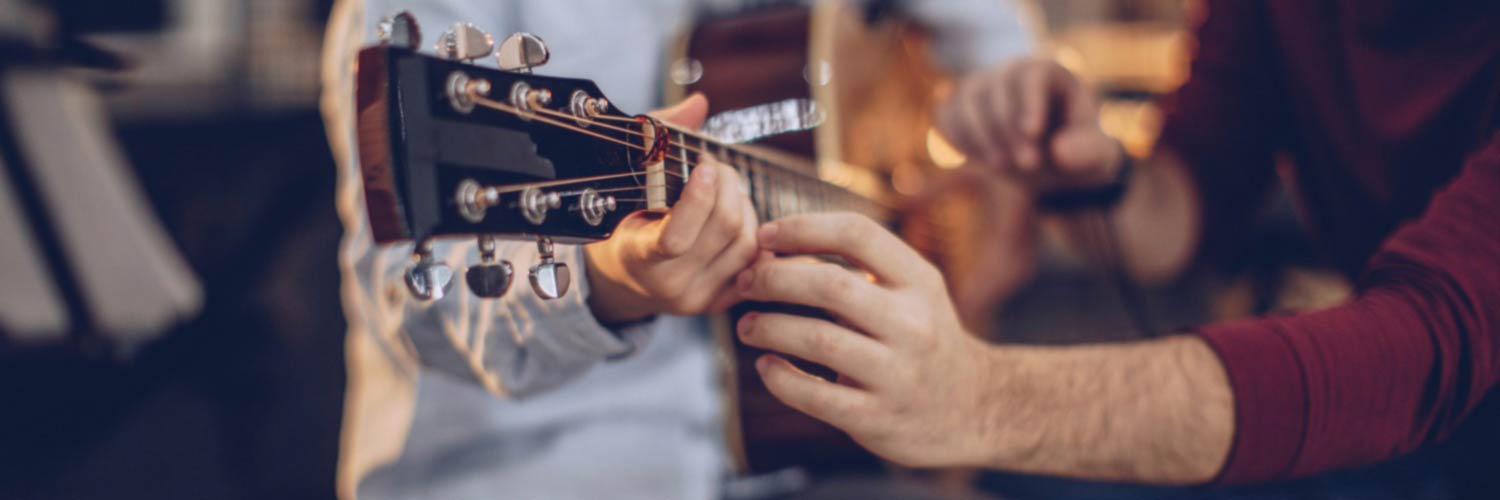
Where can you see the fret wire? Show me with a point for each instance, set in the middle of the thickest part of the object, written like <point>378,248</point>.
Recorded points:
<point>800,196</point>
<point>759,195</point>
<point>791,197</point>
<point>760,206</point>
<point>750,184</point>
<point>774,205</point>
<point>682,151</point>
<point>799,205</point>
<point>777,207</point>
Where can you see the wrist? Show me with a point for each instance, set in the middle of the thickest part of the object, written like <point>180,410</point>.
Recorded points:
<point>999,441</point>
<point>611,299</point>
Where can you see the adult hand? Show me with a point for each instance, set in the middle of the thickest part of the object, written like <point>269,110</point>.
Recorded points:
<point>1033,119</point>
<point>908,370</point>
<point>682,262</point>
<point>917,389</point>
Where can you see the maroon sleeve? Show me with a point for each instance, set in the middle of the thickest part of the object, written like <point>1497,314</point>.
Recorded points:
<point>1397,367</point>
<point>1223,122</point>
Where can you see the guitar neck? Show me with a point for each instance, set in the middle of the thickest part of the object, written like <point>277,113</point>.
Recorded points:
<point>779,187</point>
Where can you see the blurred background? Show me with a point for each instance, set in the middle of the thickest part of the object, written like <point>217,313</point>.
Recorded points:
<point>217,117</point>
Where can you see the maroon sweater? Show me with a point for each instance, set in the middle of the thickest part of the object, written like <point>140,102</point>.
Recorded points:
<point>1388,115</point>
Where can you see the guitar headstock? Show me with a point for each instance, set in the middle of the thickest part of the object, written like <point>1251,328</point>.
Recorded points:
<point>449,148</point>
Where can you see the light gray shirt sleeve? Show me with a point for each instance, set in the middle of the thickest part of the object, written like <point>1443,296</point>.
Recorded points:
<point>973,34</point>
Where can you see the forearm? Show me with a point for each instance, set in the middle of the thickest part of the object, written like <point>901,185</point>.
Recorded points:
<point>1158,411</point>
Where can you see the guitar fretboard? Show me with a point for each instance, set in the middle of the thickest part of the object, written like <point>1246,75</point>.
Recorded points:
<point>777,188</point>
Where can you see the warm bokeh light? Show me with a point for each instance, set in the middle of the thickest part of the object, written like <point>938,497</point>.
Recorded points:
<point>942,152</point>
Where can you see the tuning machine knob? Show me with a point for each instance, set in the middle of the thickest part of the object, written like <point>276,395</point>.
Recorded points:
<point>400,30</point>
<point>549,279</point>
<point>428,279</point>
<point>464,42</point>
<point>490,278</point>
<point>521,52</point>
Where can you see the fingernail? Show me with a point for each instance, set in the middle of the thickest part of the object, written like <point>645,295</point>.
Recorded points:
<point>766,234</point>
<point>744,280</point>
<point>706,174</point>
<point>745,322</point>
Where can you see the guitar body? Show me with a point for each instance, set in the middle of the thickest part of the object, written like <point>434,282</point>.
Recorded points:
<point>869,71</point>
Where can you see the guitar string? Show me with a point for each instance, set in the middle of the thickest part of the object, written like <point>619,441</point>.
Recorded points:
<point>514,188</point>
<point>678,144</point>
<point>499,106</point>
<point>503,107</point>
<point>766,164</point>
<point>493,104</point>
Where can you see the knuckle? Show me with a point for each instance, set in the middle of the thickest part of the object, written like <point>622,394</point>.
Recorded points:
<point>672,246</point>
<point>837,285</point>
<point>822,342</point>
<point>668,291</point>
<point>911,323</point>
<point>930,276</point>
<point>665,283</point>
<point>766,278</point>
<point>702,195</point>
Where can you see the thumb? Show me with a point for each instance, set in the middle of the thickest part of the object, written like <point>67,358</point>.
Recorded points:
<point>1085,153</point>
<point>688,113</point>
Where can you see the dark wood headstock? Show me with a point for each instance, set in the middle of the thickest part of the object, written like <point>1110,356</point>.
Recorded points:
<point>429,126</point>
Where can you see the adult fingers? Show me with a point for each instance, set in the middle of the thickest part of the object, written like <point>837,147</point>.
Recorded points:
<point>715,281</point>
<point>1085,153</point>
<point>853,237</point>
<point>998,111</point>
<point>687,217</point>
<point>825,286</point>
<point>839,405</point>
<point>977,132</point>
<point>845,351</point>
<point>1034,90</point>
<point>688,113</point>
<point>727,219</point>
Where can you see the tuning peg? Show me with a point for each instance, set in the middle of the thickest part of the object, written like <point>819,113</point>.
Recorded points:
<point>549,278</point>
<point>428,279</point>
<point>400,30</point>
<point>521,52</point>
<point>464,42</point>
<point>490,278</point>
